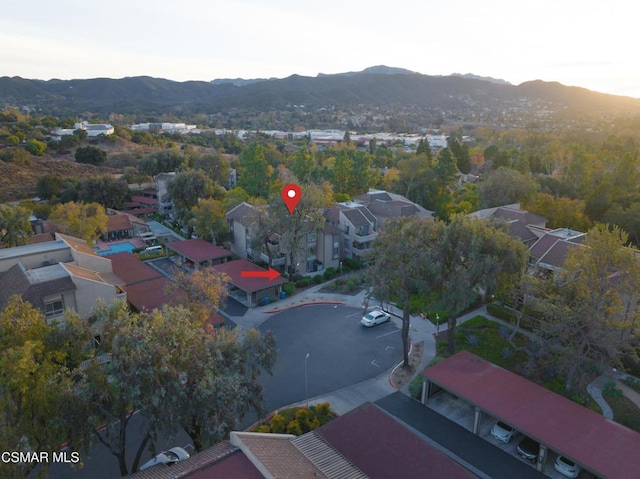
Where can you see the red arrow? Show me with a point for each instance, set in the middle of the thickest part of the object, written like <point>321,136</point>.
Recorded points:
<point>271,274</point>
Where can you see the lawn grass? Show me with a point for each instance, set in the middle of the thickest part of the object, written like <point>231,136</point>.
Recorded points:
<point>625,412</point>
<point>488,343</point>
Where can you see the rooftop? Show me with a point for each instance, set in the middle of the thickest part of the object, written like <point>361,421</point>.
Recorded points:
<point>234,268</point>
<point>602,446</point>
<point>382,447</point>
<point>32,249</point>
<point>198,250</point>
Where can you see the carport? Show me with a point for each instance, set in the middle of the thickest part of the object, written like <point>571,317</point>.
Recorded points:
<point>249,291</point>
<point>603,447</point>
<point>197,253</point>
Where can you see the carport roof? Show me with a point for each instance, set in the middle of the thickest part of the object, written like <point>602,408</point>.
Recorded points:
<point>605,447</point>
<point>198,249</point>
<point>250,285</point>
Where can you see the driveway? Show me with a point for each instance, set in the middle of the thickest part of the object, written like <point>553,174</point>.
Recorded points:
<point>341,352</point>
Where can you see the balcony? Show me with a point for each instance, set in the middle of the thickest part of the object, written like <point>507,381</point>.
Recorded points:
<point>275,261</point>
<point>360,238</point>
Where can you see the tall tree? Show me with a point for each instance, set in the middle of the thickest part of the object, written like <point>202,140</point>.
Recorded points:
<point>15,226</point>
<point>590,307</point>
<point>110,192</point>
<point>405,264</point>
<point>209,221</point>
<point>36,383</point>
<point>186,189</point>
<point>505,186</point>
<point>254,171</point>
<point>474,256</point>
<point>304,165</point>
<point>86,221</point>
<point>175,373</point>
<point>91,155</point>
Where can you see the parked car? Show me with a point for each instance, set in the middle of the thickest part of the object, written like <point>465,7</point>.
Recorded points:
<point>528,449</point>
<point>503,432</point>
<point>173,455</point>
<point>567,467</point>
<point>374,317</point>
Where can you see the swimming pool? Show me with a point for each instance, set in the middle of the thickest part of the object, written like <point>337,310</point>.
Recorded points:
<point>125,247</point>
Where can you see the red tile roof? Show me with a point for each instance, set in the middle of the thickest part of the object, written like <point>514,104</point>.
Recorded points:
<point>250,285</point>
<point>381,447</point>
<point>131,269</point>
<point>604,447</point>
<point>198,250</point>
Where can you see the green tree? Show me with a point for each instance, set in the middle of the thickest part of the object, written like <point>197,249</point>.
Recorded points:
<point>86,221</point>
<point>36,385</point>
<point>341,172</point>
<point>291,230</point>
<point>424,148</point>
<point>161,162</point>
<point>590,307</point>
<point>173,372</point>
<point>304,165</point>
<point>254,171</point>
<point>187,188</point>
<point>15,225</point>
<point>36,147</point>
<point>460,151</point>
<point>473,256</point>
<point>110,192</point>
<point>209,220</point>
<point>405,264</point>
<point>505,186</point>
<point>90,155</point>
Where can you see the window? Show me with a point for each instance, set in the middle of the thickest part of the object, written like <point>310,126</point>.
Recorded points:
<point>336,250</point>
<point>53,308</point>
<point>312,237</point>
<point>346,229</point>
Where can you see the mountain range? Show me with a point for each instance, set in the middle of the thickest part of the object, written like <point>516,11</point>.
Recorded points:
<point>377,86</point>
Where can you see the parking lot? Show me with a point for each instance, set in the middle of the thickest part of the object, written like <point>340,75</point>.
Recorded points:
<point>341,352</point>
<point>463,413</point>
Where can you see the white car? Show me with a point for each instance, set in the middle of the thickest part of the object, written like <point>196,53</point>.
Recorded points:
<point>566,467</point>
<point>374,317</point>
<point>503,432</point>
<point>173,455</point>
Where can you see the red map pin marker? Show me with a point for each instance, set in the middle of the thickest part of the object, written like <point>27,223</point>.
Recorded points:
<point>291,195</point>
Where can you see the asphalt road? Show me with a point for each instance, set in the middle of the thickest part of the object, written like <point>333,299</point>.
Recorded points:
<point>99,463</point>
<point>341,352</point>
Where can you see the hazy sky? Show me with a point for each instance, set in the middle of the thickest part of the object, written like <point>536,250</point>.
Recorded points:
<point>576,42</point>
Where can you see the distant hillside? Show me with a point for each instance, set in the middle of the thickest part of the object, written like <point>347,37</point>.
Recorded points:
<point>375,86</point>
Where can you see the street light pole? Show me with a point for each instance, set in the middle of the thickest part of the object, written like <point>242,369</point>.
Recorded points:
<point>306,380</point>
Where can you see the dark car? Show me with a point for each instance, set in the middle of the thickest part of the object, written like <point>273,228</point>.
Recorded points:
<point>529,449</point>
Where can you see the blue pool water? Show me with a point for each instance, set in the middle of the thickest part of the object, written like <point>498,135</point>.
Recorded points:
<point>125,247</point>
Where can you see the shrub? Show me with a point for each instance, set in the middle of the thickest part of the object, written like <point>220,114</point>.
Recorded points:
<point>351,286</point>
<point>332,286</point>
<point>352,263</point>
<point>415,387</point>
<point>303,283</point>
<point>36,147</point>
<point>297,277</point>
<point>294,428</point>
<point>263,428</point>
<point>277,423</point>
<point>318,279</point>
<point>289,288</point>
<point>323,411</point>
<point>90,155</point>
<point>329,273</point>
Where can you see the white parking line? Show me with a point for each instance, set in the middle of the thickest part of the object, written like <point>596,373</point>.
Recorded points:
<point>375,364</point>
<point>387,334</point>
<point>354,314</point>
